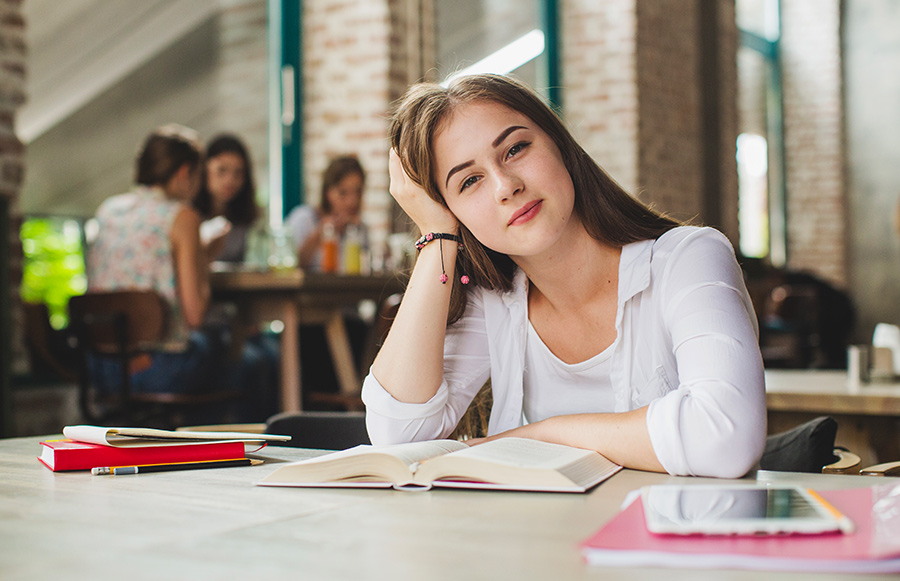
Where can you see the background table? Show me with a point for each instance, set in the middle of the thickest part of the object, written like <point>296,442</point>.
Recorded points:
<point>215,524</point>
<point>294,297</point>
<point>868,415</point>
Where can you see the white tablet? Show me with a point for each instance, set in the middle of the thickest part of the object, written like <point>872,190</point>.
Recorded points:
<point>739,510</point>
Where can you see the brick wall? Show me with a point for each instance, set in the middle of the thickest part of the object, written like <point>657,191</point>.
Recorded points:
<point>632,95</point>
<point>599,79</point>
<point>12,159</point>
<point>813,134</point>
<point>347,90</point>
<point>669,129</point>
<point>727,40</point>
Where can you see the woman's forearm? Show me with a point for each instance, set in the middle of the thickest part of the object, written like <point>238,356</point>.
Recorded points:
<point>621,437</point>
<point>410,364</point>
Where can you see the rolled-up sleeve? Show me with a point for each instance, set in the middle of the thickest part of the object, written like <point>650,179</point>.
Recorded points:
<point>466,369</point>
<point>714,423</point>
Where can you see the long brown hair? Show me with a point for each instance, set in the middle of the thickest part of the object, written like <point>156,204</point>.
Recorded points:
<point>608,212</point>
<point>242,208</point>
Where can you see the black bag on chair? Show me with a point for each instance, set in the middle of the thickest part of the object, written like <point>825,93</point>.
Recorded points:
<point>806,448</point>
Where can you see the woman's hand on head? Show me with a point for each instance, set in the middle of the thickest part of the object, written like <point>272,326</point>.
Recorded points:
<point>428,215</point>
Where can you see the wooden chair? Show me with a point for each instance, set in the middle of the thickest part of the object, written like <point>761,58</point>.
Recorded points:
<point>128,325</point>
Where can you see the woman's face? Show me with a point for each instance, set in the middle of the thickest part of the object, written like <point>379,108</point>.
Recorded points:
<point>345,196</point>
<point>225,176</point>
<point>503,178</point>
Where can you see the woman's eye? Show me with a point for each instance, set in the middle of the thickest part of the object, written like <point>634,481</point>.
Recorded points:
<point>468,182</point>
<point>516,149</point>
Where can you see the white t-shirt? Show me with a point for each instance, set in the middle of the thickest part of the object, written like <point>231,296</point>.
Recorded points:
<point>554,387</point>
<point>687,347</point>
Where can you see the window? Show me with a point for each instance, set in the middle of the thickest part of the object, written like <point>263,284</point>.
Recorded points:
<point>53,270</point>
<point>499,36</point>
<point>760,145</point>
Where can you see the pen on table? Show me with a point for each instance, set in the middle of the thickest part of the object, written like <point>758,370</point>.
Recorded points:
<point>844,523</point>
<point>120,470</point>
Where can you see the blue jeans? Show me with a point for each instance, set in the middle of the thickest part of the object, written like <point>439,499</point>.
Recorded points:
<point>187,371</point>
<point>204,366</point>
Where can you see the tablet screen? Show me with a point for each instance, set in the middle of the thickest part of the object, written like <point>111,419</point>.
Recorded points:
<point>736,510</point>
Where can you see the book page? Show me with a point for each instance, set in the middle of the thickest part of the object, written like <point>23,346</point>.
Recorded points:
<point>394,463</point>
<point>519,464</point>
<point>524,453</point>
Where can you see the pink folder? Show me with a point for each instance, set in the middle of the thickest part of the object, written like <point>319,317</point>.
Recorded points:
<point>873,548</point>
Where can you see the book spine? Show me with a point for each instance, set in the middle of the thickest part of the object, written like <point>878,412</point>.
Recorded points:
<point>87,458</point>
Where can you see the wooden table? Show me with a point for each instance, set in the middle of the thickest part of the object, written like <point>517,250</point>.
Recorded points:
<point>294,297</point>
<point>868,414</point>
<point>215,524</point>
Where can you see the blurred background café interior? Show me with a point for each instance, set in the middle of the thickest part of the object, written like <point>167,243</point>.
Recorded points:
<point>775,121</point>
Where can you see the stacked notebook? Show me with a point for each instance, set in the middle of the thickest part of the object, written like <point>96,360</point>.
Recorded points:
<point>87,447</point>
<point>873,548</point>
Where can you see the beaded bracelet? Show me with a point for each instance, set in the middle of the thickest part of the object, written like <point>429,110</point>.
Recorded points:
<point>440,237</point>
<point>421,242</point>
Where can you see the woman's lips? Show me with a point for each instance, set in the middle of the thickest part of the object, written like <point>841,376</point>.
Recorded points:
<point>527,212</point>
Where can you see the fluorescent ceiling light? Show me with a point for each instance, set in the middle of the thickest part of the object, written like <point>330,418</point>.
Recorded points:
<point>506,59</point>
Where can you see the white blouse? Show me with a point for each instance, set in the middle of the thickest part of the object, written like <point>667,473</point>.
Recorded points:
<point>687,347</point>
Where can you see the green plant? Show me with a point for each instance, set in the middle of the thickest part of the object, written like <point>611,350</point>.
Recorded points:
<point>53,270</point>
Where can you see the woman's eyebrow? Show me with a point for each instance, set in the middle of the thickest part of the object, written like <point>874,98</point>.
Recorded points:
<point>503,135</point>
<point>460,167</point>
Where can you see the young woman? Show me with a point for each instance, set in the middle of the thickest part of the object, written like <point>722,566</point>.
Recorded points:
<point>339,207</point>
<point>600,323</point>
<point>149,238</point>
<point>227,198</point>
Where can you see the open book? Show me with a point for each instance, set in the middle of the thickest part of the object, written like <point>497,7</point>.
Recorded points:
<point>503,464</point>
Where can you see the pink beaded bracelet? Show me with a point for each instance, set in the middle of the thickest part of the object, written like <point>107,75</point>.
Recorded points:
<point>440,237</point>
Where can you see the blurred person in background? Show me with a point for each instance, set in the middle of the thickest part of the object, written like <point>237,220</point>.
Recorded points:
<point>149,238</point>
<point>227,198</point>
<point>336,219</point>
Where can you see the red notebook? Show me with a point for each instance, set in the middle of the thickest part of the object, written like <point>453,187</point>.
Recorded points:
<point>60,455</point>
<point>873,548</point>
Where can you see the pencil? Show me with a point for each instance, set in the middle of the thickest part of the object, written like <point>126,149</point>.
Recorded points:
<point>121,470</point>
<point>844,523</point>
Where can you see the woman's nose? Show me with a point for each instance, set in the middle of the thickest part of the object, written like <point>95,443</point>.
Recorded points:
<point>508,184</point>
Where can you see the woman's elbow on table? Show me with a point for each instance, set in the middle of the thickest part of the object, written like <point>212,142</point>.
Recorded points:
<point>732,455</point>
<point>703,440</point>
